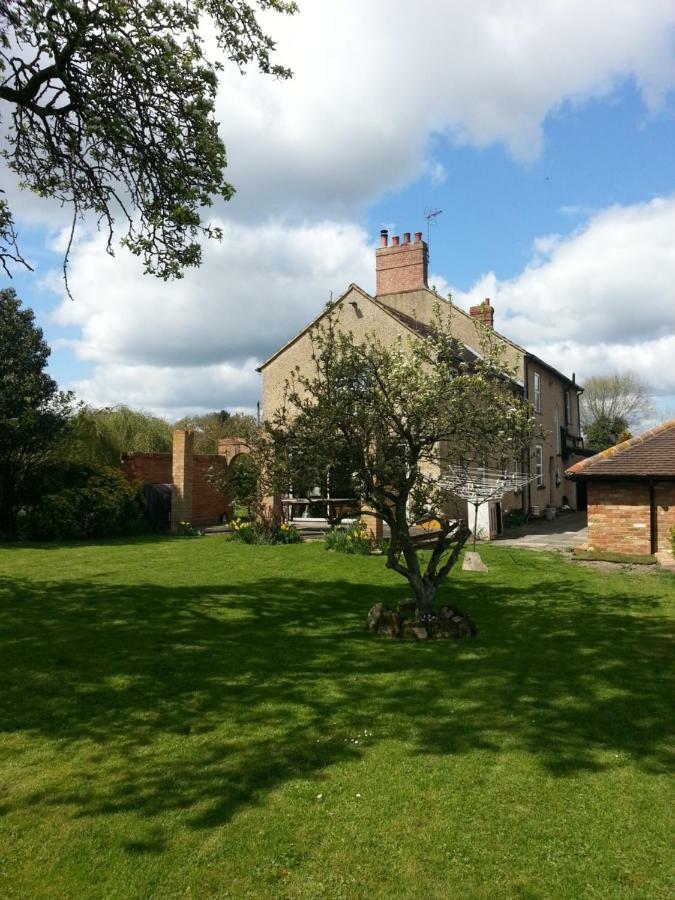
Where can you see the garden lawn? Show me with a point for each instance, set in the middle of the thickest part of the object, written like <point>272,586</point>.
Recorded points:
<point>196,718</point>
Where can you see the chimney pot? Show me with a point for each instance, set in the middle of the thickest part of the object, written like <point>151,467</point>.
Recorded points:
<point>395,240</point>
<point>384,237</point>
<point>406,237</point>
<point>418,237</point>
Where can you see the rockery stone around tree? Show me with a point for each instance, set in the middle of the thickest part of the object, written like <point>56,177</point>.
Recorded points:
<point>409,624</point>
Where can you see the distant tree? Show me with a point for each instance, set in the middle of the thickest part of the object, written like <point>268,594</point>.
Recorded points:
<point>99,437</point>
<point>615,402</point>
<point>603,433</point>
<point>110,110</point>
<point>33,412</point>
<point>211,427</point>
<point>396,415</point>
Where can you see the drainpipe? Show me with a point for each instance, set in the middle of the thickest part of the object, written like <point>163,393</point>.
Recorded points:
<point>653,525</point>
<point>527,500</point>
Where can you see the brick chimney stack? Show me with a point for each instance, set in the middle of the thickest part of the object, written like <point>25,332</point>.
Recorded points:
<point>401,266</point>
<point>484,313</point>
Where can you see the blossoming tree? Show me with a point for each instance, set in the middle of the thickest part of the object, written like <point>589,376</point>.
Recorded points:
<point>401,414</point>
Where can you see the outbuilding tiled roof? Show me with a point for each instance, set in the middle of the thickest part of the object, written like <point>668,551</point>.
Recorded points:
<point>650,455</point>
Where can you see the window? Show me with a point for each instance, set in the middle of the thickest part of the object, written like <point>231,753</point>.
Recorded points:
<point>568,409</point>
<point>539,465</point>
<point>537,392</point>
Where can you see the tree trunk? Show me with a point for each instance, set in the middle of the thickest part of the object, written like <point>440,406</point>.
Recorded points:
<point>425,594</point>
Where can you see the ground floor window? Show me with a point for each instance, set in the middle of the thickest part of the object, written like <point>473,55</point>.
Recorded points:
<point>539,465</point>
<point>326,498</point>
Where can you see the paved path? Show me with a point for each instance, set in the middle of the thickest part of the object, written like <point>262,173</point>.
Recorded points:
<point>563,533</point>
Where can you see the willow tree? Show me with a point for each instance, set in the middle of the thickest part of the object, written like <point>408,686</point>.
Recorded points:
<point>399,415</point>
<point>108,107</point>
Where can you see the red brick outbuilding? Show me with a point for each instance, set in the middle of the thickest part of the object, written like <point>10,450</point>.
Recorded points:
<point>631,493</point>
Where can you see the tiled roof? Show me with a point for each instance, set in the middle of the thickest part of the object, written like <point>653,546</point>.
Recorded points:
<point>462,352</point>
<point>651,454</point>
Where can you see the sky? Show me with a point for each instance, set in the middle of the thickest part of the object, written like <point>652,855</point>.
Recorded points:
<point>544,132</point>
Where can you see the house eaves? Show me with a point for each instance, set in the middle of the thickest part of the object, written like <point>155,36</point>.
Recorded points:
<point>540,362</point>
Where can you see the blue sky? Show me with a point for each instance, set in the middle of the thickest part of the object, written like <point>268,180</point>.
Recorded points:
<point>546,138</point>
<point>494,206</point>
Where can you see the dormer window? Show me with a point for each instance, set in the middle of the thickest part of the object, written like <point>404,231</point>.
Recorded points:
<point>537,392</point>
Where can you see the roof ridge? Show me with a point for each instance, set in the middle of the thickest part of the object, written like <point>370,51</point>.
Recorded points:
<point>618,449</point>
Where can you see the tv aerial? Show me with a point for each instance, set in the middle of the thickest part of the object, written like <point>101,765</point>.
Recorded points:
<point>430,214</point>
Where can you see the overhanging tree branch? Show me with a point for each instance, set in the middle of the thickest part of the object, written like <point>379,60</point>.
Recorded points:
<point>112,113</point>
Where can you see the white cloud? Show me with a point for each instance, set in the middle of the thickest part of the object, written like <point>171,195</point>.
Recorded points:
<point>196,341</point>
<point>373,81</point>
<point>599,301</point>
<point>171,391</point>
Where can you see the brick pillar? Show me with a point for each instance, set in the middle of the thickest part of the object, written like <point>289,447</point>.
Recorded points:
<point>273,506</point>
<point>374,526</point>
<point>181,477</point>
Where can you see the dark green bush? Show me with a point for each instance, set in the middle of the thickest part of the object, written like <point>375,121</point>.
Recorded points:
<point>102,503</point>
<point>513,518</point>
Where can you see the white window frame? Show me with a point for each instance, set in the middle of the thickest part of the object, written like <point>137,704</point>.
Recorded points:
<point>539,464</point>
<point>537,392</point>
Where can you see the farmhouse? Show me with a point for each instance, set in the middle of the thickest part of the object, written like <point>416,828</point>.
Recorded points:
<point>403,304</point>
<point>631,493</point>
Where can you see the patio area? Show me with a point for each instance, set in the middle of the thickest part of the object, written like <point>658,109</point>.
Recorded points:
<point>565,532</point>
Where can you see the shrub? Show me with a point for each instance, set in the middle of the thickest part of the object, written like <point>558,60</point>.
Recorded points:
<point>513,518</point>
<point>672,539</point>
<point>187,529</point>
<point>287,533</point>
<point>353,539</point>
<point>265,531</point>
<point>102,504</point>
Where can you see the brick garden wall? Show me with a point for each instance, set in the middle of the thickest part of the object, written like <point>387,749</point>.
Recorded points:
<point>150,468</point>
<point>208,504</point>
<point>618,516</point>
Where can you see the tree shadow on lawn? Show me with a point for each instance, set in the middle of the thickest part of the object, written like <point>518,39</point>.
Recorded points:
<point>205,698</point>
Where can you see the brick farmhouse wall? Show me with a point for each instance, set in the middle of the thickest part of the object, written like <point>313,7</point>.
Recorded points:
<point>619,515</point>
<point>665,512</point>
<point>208,504</point>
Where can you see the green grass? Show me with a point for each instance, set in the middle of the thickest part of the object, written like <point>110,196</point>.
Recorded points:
<point>636,559</point>
<point>171,710</point>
